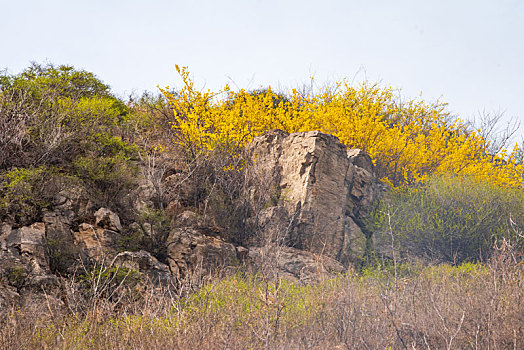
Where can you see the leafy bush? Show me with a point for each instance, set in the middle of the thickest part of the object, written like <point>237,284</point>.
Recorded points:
<point>50,115</point>
<point>24,193</point>
<point>408,140</point>
<point>16,275</point>
<point>109,178</point>
<point>448,218</point>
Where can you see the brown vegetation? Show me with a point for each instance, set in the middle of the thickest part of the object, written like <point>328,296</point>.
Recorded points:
<point>469,306</point>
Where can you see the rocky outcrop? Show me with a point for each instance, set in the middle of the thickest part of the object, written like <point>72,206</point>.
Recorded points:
<point>72,202</point>
<point>24,269</point>
<point>95,241</point>
<point>311,193</point>
<point>306,199</point>
<point>28,242</point>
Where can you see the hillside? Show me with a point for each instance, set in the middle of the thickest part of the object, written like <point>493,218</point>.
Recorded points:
<point>252,219</point>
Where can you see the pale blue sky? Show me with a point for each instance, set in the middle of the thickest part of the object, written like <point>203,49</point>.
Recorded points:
<point>469,52</point>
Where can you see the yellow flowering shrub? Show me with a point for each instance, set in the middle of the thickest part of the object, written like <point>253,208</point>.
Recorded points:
<point>407,141</point>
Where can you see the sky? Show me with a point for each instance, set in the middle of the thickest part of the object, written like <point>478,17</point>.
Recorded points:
<point>468,53</point>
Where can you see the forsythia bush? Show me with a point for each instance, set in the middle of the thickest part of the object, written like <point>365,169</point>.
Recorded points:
<point>407,141</point>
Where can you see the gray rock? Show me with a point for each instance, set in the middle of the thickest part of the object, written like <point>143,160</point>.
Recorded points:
<point>58,228</point>
<point>73,201</point>
<point>141,198</point>
<point>5,230</point>
<point>107,219</point>
<point>96,242</point>
<point>294,264</point>
<point>191,252</point>
<point>29,241</point>
<point>146,264</point>
<point>188,218</point>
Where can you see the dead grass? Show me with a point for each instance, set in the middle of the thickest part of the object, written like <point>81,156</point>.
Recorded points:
<point>477,306</point>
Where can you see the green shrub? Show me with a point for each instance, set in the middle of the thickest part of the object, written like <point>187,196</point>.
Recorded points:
<point>16,275</point>
<point>24,193</point>
<point>448,219</point>
<point>150,233</point>
<point>107,177</point>
<point>51,114</point>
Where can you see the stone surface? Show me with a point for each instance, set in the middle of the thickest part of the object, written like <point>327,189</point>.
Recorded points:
<point>294,264</point>
<point>311,192</point>
<point>29,242</point>
<point>141,199</point>
<point>188,219</point>
<point>73,201</point>
<point>147,264</point>
<point>24,271</point>
<point>364,187</point>
<point>96,242</point>
<point>5,230</point>
<point>308,199</point>
<point>107,219</point>
<point>58,231</point>
<point>192,252</point>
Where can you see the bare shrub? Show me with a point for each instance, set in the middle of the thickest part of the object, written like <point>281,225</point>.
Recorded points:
<point>475,306</point>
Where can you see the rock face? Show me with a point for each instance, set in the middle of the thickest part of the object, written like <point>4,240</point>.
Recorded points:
<point>24,268</point>
<point>28,241</point>
<point>311,193</point>
<point>94,241</point>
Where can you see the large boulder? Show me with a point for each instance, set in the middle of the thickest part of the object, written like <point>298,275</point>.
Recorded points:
<point>311,193</point>
<point>294,264</point>
<point>105,218</point>
<point>192,252</point>
<point>24,268</point>
<point>96,242</point>
<point>142,261</point>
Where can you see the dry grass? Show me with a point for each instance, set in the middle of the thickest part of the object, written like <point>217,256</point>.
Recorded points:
<point>437,307</point>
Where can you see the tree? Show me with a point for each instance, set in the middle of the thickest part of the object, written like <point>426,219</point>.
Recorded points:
<point>49,113</point>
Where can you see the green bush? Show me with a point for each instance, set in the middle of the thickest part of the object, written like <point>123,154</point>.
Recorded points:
<point>51,114</point>
<point>447,219</point>
<point>24,193</point>
<point>16,275</point>
<point>108,178</point>
<point>150,233</point>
